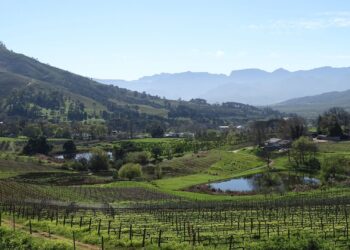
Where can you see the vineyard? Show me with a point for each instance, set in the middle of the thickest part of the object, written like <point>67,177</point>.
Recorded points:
<point>43,206</point>
<point>187,225</point>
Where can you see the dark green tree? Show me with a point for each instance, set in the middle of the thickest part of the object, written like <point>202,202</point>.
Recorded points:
<point>69,149</point>
<point>37,145</point>
<point>156,152</point>
<point>99,161</point>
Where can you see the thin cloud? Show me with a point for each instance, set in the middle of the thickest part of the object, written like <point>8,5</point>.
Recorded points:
<point>323,21</point>
<point>219,53</point>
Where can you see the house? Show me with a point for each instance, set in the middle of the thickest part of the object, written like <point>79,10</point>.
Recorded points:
<point>276,144</point>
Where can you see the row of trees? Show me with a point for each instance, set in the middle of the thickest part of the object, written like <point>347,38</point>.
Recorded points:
<point>289,128</point>
<point>334,122</point>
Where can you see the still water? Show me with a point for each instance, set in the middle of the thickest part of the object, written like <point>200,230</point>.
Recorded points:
<point>264,182</point>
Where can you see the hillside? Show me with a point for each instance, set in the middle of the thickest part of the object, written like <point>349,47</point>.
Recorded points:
<point>251,86</point>
<point>312,106</point>
<point>33,90</point>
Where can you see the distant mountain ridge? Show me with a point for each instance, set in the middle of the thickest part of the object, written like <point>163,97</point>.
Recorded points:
<point>251,86</point>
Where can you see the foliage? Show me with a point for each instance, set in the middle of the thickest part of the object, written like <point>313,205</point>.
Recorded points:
<point>32,130</point>
<point>333,121</point>
<point>99,161</point>
<point>158,171</point>
<point>37,145</point>
<point>333,166</point>
<point>156,152</point>
<point>303,150</point>
<point>69,149</point>
<point>137,157</point>
<point>130,171</point>
<point>156,131</point>
<point>78,165</point>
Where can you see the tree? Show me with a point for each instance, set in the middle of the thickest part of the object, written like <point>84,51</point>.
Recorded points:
<point>37,145</point>
<point>333,166</point>
<point>303,150</point>
<point>156,152</point>
<point>137,157</point>
<point>333,121</point>
<point>130,171</point>
<point>119,153</point>
<point>69,149</point>
<point>179,149</point>
<point>157,131</point>
<point>32,130</point>
<point>259,132</point>
<point>335,130</point>
<point>99,161</point>
<point>158,171</point>
<point>296,127</point>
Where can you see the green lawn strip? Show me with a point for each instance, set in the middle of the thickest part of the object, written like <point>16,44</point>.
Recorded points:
<point>13,139</point>
<point>128,184</point>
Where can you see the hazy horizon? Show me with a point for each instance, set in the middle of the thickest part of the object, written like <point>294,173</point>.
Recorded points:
<point>119,40</point>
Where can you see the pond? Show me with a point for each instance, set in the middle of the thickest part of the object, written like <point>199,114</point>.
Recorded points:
<point>85,155</point>
<point>265,182</point>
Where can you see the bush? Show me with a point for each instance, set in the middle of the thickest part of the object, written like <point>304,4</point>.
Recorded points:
<point>313,165</point>
<point>137,157</point>
<point>78,166</point>
<point>99,161</point>
<point>158,171</point>
<point>130,171</point>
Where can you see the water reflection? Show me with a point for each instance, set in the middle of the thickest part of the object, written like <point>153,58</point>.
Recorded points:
<point>266,182</point>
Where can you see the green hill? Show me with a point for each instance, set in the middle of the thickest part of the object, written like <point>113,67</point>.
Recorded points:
<point>312,106</point>
<point>33,90</point>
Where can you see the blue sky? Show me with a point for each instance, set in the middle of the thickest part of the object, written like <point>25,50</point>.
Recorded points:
<point>133,38</point>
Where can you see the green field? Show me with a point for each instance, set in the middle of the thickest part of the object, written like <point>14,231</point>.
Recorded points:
<point>165,213</point>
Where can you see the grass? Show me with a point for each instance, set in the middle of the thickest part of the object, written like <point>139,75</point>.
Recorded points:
<point>334,147</point>
<point>190,163</point>
<point>10,167</point>
<point>231,162</point>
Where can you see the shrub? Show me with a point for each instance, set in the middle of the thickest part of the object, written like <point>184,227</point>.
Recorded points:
<point>137,157</point>
<point>99,161</point>
<point>158,171</point>
<point>130,171</point>
<point>78,166</point>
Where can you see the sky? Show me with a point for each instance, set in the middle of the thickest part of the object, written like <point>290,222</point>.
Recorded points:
<point>115,39</point>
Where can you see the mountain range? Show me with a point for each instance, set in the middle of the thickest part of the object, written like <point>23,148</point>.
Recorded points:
<point>32,90</point>
<point>250,86</point>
